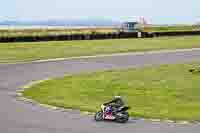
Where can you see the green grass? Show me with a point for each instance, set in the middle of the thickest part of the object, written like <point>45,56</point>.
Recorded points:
<point>18,52</point>
<point>176,28</point>
<point>39,32</point>
<point>166,92</point>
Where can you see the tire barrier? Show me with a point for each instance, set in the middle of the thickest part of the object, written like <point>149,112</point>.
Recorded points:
<point>178,33</point>
<point>96,36</point>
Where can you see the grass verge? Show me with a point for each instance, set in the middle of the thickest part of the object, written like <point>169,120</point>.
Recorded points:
<point>23,52</point>
<point>164,92</point>
<point>39,32</point>
<point>175,28</point>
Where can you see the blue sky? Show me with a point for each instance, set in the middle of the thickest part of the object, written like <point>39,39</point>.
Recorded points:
<point>155,11</point>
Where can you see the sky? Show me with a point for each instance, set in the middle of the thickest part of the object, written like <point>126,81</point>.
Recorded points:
<point>154,11</point>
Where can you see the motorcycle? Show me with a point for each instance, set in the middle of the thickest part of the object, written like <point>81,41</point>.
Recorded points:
<point>119,115</point>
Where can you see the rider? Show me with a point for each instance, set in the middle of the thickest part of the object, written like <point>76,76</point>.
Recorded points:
<point>116,103</point>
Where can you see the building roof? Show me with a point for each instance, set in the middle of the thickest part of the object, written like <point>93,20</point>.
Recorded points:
<point>130,22</point>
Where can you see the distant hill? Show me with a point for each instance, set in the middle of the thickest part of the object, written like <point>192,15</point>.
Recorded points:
<point>83,22</point>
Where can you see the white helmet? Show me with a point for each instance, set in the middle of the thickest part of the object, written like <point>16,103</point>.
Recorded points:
<point>117,97</point>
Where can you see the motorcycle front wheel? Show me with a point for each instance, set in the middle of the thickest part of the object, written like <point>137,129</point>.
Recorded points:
<point>98,116</point>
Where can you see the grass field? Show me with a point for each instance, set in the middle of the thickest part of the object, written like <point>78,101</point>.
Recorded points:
<point>176,28</point>
<point>53,31</point>
<point>19,52</point>
<point>39,32</point>
<point>166,92</point>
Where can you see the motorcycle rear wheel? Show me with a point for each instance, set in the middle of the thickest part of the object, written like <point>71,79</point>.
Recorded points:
<point>99,116</point>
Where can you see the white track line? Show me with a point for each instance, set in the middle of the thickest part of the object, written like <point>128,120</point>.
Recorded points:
<point>120,54</point>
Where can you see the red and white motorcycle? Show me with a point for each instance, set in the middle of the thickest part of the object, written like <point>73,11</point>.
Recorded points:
<point>107,113</point>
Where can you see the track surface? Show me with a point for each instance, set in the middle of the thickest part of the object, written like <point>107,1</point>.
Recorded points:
<point>20,117</point>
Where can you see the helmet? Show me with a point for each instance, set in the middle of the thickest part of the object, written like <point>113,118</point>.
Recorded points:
<point>118,100</point>
<point>117,97</point>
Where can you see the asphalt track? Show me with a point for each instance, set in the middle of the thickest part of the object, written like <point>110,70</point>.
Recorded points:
<point>21,117</point>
